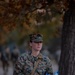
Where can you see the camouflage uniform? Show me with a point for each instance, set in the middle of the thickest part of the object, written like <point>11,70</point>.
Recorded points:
<point>25,65</point>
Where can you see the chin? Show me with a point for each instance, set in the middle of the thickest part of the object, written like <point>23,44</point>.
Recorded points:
<point>38,49</point>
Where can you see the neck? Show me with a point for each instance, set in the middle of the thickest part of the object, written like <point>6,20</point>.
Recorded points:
<point>35,53</point>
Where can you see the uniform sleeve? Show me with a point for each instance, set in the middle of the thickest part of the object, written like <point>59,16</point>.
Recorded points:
<point>49,66</point>
<point>18,68</point>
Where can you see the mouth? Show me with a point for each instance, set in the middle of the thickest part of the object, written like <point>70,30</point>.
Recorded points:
<point>38,47</point>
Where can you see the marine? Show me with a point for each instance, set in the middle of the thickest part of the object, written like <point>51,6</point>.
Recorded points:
<point>33,62</point>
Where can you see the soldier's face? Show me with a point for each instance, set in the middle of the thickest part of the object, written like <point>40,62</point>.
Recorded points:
<point>36,46</point>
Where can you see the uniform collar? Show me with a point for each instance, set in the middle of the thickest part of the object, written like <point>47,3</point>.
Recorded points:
<point>40,56</point>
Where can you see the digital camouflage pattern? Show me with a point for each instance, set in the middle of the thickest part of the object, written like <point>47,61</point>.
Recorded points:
<point>26,62</point>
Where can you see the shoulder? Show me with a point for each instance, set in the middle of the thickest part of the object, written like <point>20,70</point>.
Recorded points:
<point>23,57</point>
<point>24,54</point>
<point>46,58</point>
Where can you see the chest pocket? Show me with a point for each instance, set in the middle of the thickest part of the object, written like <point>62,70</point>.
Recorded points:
<point>41,68</point>
<point>28,67</point>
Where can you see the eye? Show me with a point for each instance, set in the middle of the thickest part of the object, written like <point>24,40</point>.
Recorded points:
<point>38,42</point>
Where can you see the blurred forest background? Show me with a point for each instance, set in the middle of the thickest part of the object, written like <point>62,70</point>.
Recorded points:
<point>19,18</point>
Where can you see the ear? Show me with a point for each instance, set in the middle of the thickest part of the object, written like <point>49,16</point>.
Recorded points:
<point>30,44</point>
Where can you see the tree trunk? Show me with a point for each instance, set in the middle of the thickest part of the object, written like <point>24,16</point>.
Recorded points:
<point>67,58</point>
